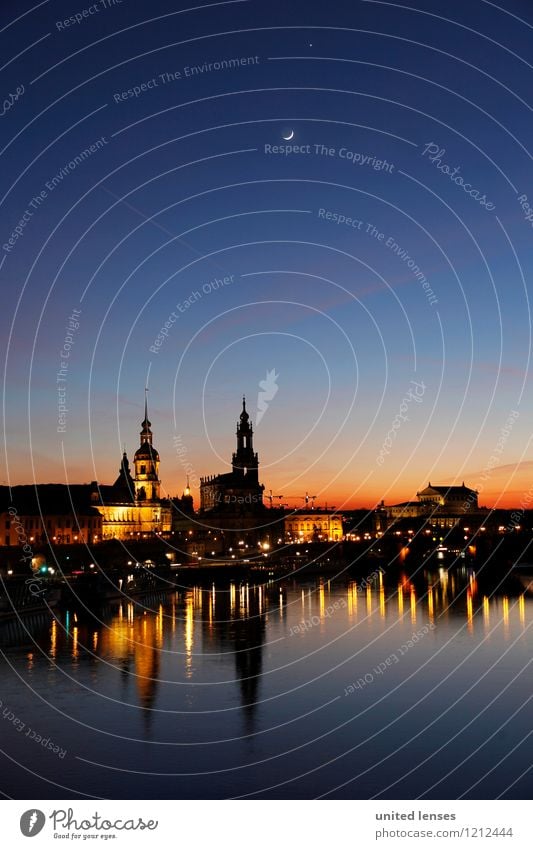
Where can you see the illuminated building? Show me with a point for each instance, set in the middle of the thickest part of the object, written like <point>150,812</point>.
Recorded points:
<point>34,514</point>
<point>313,526</point>
<point>64,514</point>
<point>132,507</point>
<point>460,499</point>
<point>441,506</point>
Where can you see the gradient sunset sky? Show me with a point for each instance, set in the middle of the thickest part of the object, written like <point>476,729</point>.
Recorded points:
<point>377,387</point>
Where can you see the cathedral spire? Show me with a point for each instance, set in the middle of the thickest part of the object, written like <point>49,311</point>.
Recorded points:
<point>244,418</point>
<point>146,433</point>
<point>244,459</point>
<point>147,483</point>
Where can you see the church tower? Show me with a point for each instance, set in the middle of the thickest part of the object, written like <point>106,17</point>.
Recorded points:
<point>124,487</point>
<point>245,463</point>
<point>146,461</point>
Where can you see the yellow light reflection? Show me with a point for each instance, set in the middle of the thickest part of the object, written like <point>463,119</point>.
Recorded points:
<point>431,605</point>
<point>75,650</point>
<point>350,601</point>
<point>95,640</point>
<point>413,606</point>
<point>486,612</point>
<point>159,627</point>
<point>400,600</point>
<point>369,601</point>
<point>189,633</point>
<point>242,603</point>
<point>321,601</point>
<point>506,615</point>
<point>444,584</point>
<point>53,639</point>
<point>522,610</point>
<point>232,599</point>
<point>469,612</point>
<point>381,598</point>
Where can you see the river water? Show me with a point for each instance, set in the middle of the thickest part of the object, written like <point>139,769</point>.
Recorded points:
<point>295,689</point>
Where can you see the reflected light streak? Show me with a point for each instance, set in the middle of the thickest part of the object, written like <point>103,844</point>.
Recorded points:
<point>53,639</point>
<point>189,633</point>
<point>159,627</point>
<point>369,601</point>
<point>469,612</point>
<point>486,612</point>
<point>506,615</point>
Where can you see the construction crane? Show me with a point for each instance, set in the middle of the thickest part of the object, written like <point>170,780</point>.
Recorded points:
<point>305,498</point>
<point>272,497</point>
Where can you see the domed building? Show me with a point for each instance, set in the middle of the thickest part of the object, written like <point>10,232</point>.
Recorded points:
<point>132,507</point>
<point>146,461</point>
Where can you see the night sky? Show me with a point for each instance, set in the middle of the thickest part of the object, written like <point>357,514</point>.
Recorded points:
<point>372,272</point>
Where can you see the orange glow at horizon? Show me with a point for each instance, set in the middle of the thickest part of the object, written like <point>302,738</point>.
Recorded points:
<point>337,477</point>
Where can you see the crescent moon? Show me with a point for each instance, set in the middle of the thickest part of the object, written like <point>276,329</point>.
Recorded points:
<point>290,136</point>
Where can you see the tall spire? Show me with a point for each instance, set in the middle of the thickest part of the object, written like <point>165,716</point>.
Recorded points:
<point>244,459</point>
<point>146,422</point>
<point>244,417</point>
<point>146,433</point>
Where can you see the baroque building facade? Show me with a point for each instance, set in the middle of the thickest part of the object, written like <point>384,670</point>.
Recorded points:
<point>132,507</point>
<point>313,526</point>
<point>442,506</point>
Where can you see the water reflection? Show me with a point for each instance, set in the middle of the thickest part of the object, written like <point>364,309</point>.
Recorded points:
<point>234,623</point>
<point>262,669</point>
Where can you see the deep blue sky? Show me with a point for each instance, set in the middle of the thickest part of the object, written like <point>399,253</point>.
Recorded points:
<point>181,192</point>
